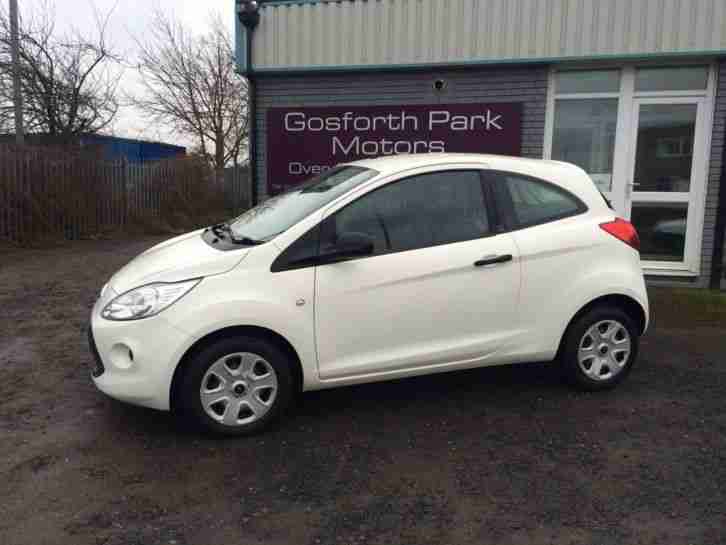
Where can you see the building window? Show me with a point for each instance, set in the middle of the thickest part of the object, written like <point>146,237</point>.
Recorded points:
<point>584,134</point>
<point>588,81</point>
<point>584,124</point>
<point>678,78</point>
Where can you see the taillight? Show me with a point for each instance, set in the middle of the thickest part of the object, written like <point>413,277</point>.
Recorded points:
<point>622,230</point>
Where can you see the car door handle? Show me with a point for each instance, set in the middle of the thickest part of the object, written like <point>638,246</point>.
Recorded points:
<point>493,260</point>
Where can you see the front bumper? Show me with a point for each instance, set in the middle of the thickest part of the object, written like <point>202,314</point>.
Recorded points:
<point>136,359</point>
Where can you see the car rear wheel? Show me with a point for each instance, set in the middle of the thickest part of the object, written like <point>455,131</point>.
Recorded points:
<point>600,348</point>
<point>237,386</point>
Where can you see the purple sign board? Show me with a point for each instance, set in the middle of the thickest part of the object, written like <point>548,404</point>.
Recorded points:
<point>303,142</point>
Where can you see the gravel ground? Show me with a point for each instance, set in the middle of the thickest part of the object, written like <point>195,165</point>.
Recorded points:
<point>506,455</point>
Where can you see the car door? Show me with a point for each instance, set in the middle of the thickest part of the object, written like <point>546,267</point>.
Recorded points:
<point>557,249</point>
<point>441,286</point>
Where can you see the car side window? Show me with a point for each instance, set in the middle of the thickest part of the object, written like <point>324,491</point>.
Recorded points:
<point>417,212</point>
<point>300,254</point>
<point>530,201</point>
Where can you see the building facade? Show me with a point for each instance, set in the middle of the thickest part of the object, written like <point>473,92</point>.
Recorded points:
<point>632,91</point>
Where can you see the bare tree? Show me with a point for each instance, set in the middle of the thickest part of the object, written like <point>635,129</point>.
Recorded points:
<point>68,81</point>
<point>190,82</point>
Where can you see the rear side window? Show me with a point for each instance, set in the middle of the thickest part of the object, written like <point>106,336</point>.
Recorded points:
<point>529,201</point>
<point>417,212</point>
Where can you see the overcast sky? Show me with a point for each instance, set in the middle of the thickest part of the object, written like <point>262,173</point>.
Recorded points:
<point>129,20</point>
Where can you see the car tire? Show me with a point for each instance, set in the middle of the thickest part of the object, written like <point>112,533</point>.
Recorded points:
<point>599,349</point>
<point>236,386</point>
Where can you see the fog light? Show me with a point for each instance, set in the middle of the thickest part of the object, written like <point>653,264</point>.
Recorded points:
<point>121,356</point>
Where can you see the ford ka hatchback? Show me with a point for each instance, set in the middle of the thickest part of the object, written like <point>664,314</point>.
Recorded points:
<point>375,270</point>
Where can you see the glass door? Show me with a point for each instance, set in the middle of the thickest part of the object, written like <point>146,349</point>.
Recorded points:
<point>659,193</point>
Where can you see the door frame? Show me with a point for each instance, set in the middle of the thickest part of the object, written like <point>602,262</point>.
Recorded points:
<point>627,97</point>
<point>629,195</point>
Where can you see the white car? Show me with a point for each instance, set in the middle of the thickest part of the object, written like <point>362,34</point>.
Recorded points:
<point>375,270</point>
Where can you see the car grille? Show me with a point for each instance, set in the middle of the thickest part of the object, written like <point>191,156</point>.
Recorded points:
<point>97,367</point>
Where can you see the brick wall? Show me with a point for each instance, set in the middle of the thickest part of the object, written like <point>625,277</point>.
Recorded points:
<point>715,168</point>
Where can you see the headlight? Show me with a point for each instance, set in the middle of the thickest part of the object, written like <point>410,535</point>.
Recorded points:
<point>147,300</point>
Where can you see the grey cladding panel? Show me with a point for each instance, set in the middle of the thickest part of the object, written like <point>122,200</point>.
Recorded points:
<point>299,35</point>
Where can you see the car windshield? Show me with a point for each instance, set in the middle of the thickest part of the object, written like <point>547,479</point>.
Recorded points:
<point>279,213</point>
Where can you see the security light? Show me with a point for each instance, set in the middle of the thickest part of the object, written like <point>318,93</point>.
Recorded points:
<point>248,12</point>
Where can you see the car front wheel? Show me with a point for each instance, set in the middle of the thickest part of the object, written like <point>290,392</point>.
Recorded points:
<point>237,386</point>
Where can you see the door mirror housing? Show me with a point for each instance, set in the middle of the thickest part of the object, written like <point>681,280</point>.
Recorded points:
<point>349,245</point>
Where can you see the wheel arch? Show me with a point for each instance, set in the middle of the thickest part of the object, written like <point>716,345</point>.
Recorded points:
<point>628,304</point>
<point>229,332</point>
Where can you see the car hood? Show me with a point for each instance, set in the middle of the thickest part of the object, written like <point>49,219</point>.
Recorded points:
<point>180,258</point>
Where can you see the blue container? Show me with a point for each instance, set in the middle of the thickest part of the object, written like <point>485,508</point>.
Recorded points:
<point>135,151</point>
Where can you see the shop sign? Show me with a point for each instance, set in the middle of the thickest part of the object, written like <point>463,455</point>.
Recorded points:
<point>303,142</point>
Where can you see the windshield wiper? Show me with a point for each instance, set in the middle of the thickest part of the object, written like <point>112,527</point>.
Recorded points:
<point>246,240</point>
<point>222,229</point>
<point>218,230</point>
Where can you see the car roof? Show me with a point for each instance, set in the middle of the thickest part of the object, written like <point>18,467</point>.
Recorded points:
<point>390,164</point>
<point>566,175</point>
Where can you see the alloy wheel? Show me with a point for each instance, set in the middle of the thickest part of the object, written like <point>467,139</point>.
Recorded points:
<point>604,350</point>
<point>238,389</point>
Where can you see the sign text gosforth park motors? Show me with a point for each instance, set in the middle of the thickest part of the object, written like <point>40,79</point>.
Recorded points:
<point>302,142</point>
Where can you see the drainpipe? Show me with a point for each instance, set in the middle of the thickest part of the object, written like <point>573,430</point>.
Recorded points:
<point>720,234</point>
<point>248,12</point>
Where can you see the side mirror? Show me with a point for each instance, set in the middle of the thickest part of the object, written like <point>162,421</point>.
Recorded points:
<point>349,245</point>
